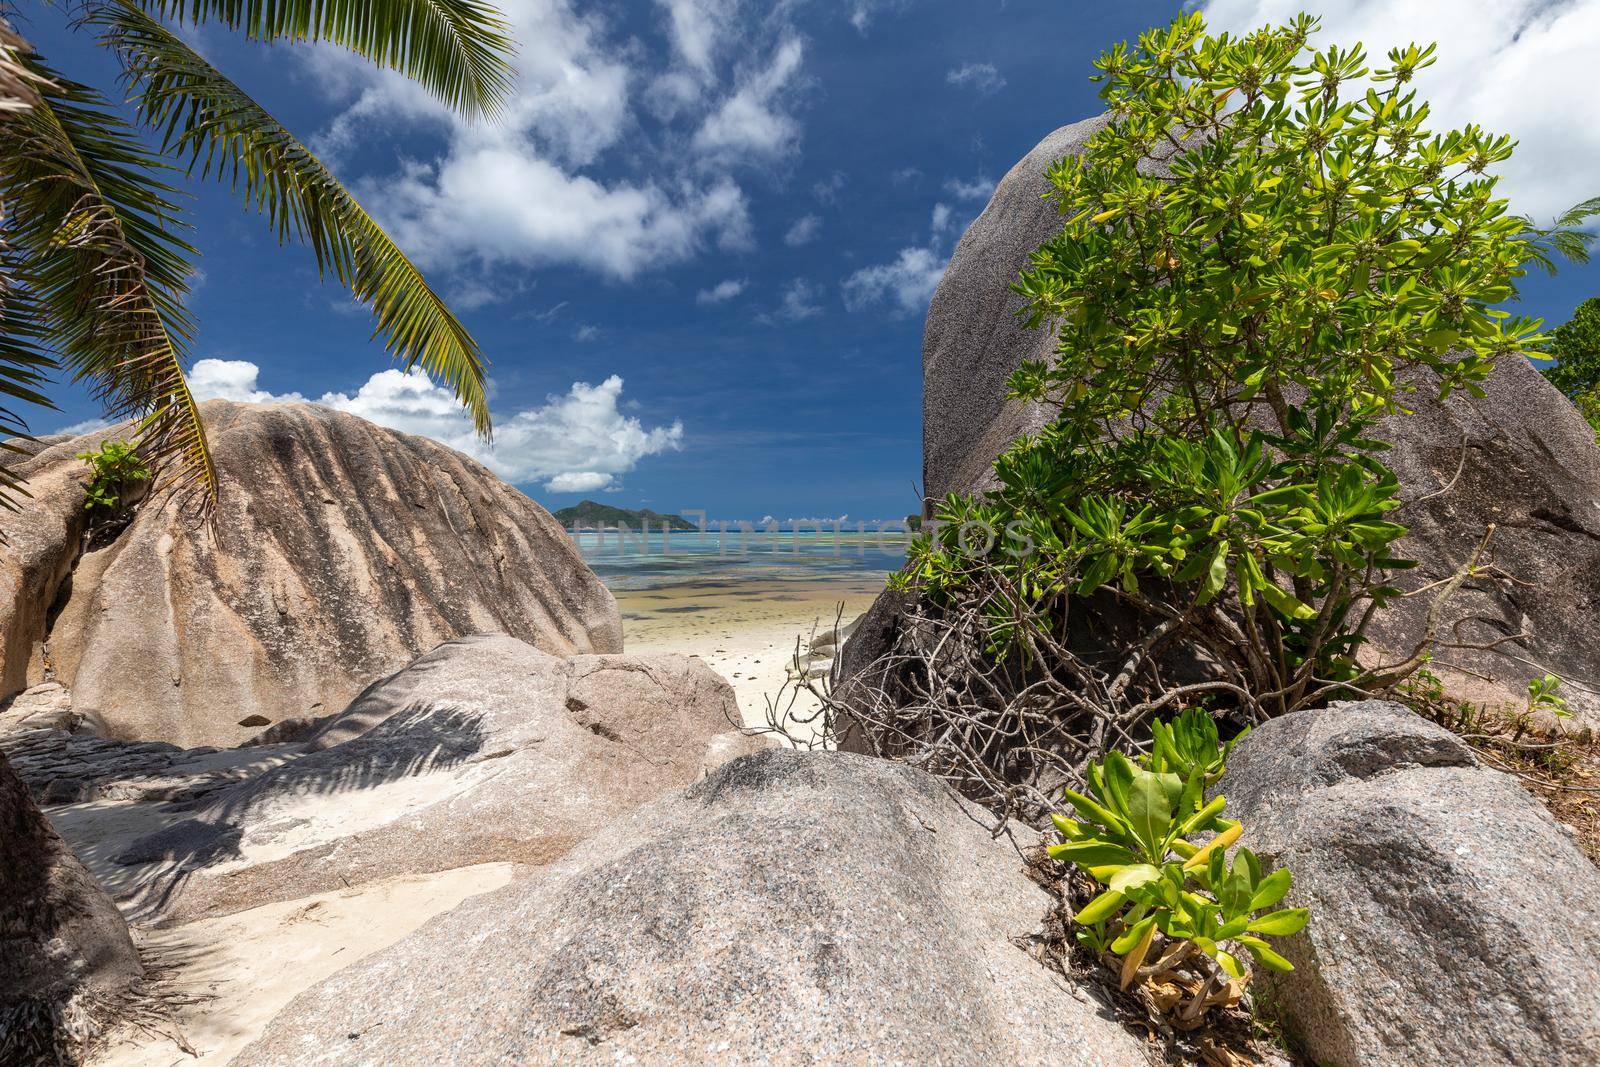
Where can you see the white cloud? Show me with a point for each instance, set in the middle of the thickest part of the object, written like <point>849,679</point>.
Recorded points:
<point>862,12</point>
<point>1519,67</point>
<point>585,334</point>
<point>578,482</point>
<point>576,442</point>
<point>699,28</point>
<point>527,191</point>
<point>979,188</point>
<point>827,191</point>
<point>983,78</point>
<point>752,124</point>
<point>804,231</point>
<point>799,303</point>
<point>86,426</point>
<point>908,281</point>
<point>723,290</point>
<point>232,379</point>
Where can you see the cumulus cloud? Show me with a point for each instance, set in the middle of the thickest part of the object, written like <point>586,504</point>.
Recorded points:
<point>572,175</point>
<point>698,28</point>
<point>979,188</point>
<point>577,441</point>
<point>907,282</point>
<point>828,189</point>
<point>799,303</point>
<point>752,124</point>
<point>982,78</point>
<point>1518,67</point>
<point>86,426</point>
<point>862,12</point>
<point>723,290</point>
<point>804,231</point>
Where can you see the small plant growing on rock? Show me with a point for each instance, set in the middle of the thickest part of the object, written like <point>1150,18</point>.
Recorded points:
<point>114,469</point>
<point>1173,914</point>
<point>1544,695</point>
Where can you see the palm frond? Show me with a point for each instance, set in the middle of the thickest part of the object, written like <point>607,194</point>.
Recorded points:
<point>459,50</point>
<point>1565,237</point>
<point>22,361</point>
<point>93,240</point>
<point>204,117</point>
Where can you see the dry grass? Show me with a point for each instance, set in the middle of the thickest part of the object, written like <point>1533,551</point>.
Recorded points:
<point>1559,765</point>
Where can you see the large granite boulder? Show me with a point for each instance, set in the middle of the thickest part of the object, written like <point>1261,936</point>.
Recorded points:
<point>1452,919</point>
<point>484,750</point>
<point>340,552</point>
<point>67,963</point>
<point>791,908</point>
<point>1522,459</point>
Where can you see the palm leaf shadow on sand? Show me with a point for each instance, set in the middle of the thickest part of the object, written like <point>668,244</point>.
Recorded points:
<point>423,737</point>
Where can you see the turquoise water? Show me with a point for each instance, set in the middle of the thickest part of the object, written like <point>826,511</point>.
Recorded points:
<point>634,561</point>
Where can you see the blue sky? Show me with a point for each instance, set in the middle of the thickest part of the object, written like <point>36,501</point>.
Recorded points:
<point>699,252</point>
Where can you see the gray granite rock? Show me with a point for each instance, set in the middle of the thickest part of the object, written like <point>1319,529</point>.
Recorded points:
<point>67,962</point>
<point>791,908</point>
<point>341,551</point>
<point>1521,458</point>
<point>1453,920</point>
<point>486,749</point>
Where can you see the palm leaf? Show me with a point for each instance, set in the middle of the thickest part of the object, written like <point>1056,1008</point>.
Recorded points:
<point>1565,237</point>
<point>93,245</point>
<point>459,50</point>
<point>206,118</point>
<point>22,361</point>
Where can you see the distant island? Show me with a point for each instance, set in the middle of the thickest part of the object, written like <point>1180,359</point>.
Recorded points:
<point>593,514</point>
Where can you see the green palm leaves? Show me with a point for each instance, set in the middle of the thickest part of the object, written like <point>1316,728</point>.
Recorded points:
<point>214,126</point>
<point>456,49</point>
<point>93,270</point>
<point>96,271</point>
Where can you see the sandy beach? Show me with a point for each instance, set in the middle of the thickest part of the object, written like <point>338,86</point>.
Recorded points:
<point>745,610</point>
<point>746,633</point>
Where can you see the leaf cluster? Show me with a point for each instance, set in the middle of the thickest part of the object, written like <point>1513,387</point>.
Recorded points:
<point>114,468</point>
<point>1263,252</point>
<point>1165,897</point>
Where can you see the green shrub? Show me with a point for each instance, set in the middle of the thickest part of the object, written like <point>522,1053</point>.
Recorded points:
<point>1169,903</point>
<point>113,470</point>
<point>1264,252</point>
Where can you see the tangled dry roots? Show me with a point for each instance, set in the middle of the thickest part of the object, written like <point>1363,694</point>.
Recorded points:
<point>1079,676</point>
<point>1007,730</point>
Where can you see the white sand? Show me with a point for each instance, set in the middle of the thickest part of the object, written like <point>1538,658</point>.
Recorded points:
<point>746,633</point>
<point>228,977</point>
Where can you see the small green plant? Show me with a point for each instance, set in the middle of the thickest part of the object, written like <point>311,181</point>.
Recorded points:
<point>1171,909</point>
<point>114,469</point>
<point>1543,695</point>
<point>1188,743</point>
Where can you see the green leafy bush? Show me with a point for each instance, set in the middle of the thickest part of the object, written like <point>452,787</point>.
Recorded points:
<point>1263,252</point>
<point>114,469</point>
<point>1169,904</point>
<point>1575,347</point>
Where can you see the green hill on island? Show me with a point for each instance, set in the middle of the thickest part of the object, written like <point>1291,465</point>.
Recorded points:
<point>590,513</point>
